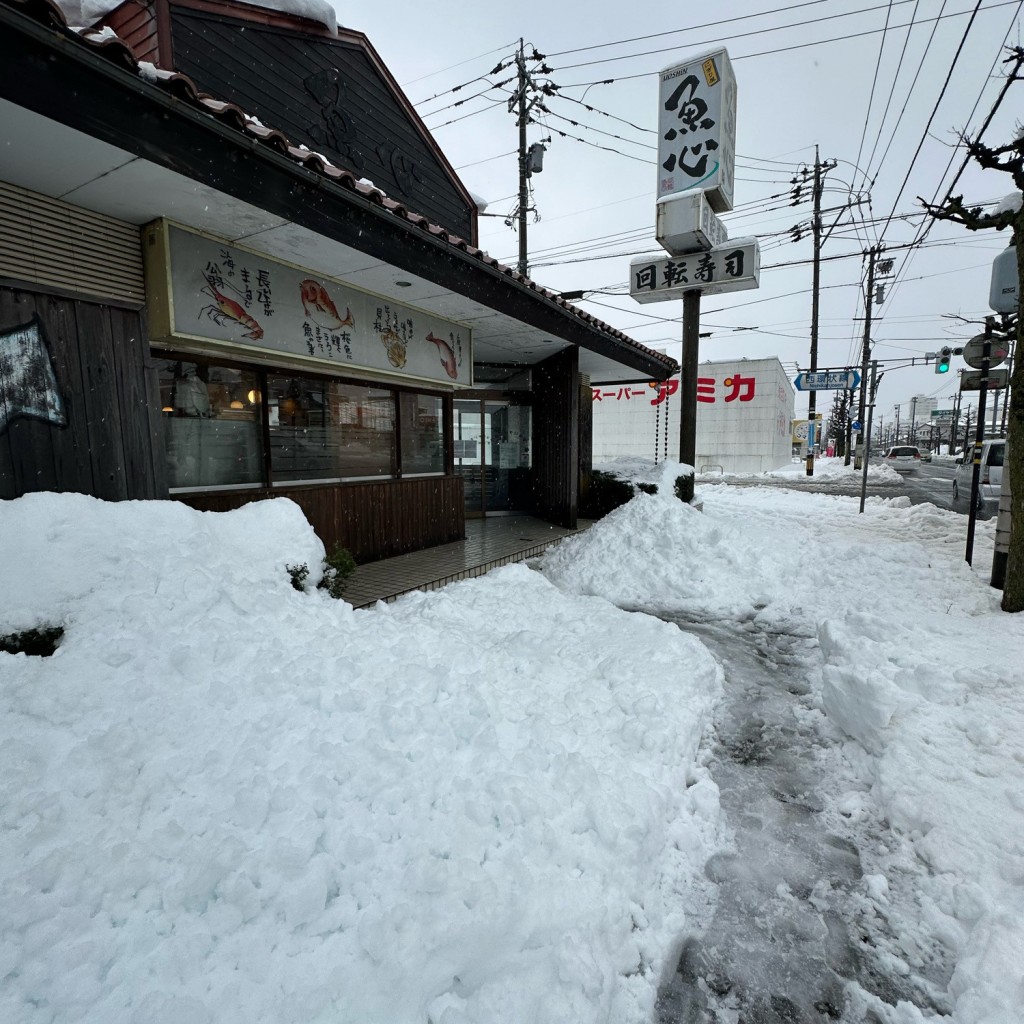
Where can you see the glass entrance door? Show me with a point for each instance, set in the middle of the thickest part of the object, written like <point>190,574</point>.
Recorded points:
<point>492,454</point>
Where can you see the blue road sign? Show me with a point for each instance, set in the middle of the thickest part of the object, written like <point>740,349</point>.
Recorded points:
<point>828,380</point>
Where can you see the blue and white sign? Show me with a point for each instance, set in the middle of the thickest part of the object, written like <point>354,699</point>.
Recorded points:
<point>828,380</point>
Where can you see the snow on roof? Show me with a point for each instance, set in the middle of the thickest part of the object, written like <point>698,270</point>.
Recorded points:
<point>87,12</point>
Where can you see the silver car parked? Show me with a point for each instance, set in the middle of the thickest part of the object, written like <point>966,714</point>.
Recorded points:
<point>991,478</point>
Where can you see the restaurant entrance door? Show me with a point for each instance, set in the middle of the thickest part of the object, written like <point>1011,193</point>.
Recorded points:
<point>493,454</point>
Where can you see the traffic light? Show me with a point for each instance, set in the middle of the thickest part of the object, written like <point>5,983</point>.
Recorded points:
<point>942,361</point>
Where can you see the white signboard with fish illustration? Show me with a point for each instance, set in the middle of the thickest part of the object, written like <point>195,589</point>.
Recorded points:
<point>223,296</point>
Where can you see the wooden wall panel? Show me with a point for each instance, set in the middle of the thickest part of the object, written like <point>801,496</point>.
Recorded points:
<point>556,438</point>
<point>71,448</point>
<point>100,361</point>
<point>586,428</point>
<point>102,408</point>
<point>373,520</point>
<point>138,396</point>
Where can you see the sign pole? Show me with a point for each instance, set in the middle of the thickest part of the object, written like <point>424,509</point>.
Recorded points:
<point>869,295</point>
<point>688,390</point>
<point>979,441</point>
<point>866,439</point>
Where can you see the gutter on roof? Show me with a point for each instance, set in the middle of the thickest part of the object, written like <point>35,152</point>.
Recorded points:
<point>42,65</point>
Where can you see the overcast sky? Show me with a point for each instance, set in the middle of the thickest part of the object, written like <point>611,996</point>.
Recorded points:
<point>813,73</point>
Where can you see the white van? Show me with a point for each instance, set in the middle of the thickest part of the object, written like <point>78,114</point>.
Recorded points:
<point>991,480</point>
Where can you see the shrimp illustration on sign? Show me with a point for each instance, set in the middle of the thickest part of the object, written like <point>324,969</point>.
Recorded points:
<point>444,350</point>
<point>225,312</point>
<point>395,347</point>
<point>321,309</point>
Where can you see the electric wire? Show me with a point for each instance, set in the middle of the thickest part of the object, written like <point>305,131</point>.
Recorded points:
<point>874,84</point>
<point>786,49</point>
<point>925,228</point>
<point>461,63</point>
<point>732,35</point>
<point>935,109</point>
<point>916,78</point>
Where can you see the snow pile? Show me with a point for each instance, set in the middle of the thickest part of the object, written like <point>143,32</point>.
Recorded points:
<point>799,556</point>
<point>227,801</point>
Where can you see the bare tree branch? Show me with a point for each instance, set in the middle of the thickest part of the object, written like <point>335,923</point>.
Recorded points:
<point>973,219</point>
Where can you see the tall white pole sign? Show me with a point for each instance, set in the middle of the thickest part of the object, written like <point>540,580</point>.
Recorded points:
<point>697,129</point>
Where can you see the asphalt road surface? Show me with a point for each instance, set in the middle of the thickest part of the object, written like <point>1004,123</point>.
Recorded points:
<point>931,482</point>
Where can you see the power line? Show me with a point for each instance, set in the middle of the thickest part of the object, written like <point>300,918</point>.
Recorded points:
<point>755,32</point>
<point>935,109</point>
<point>892,92</point>
<point>717,24</point>
<point>461,63</point>
<point>874,81</point>
<point>781,49</point>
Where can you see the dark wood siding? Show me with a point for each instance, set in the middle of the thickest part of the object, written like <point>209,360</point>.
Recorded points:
<point>325,93</point>
<point>556,438</point>
<point>373,520</point>
<point>586,428</point>
<point>100,358</point>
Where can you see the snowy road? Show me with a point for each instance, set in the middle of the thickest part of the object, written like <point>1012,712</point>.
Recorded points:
<point>798,934</point>
<point>933,482</point>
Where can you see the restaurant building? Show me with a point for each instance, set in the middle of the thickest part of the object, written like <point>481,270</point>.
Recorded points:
<point>235,265</point>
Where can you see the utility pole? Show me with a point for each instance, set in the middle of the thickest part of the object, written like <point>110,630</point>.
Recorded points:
<point>865,356</point>
<point>523,265</point>
<point>815,288</point>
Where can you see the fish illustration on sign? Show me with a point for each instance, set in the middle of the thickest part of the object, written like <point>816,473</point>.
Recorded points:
<point>320,308</point>
<point>225,312</point>
<point>395,347</point>
<point>28,383</point>
<point>444,350</point>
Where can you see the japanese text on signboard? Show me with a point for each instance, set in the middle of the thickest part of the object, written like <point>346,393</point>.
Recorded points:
<point>697,126</point>
<point>732,267</point>
<point>736,387</point>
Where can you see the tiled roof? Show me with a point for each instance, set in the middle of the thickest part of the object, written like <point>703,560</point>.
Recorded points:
<point>106,43</point>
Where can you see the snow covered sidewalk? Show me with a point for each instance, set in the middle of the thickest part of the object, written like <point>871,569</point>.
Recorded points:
<point>920,669</point>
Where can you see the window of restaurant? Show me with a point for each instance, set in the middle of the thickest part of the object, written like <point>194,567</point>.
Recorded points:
<point>422,419</point>
<point>320,429</point>
<point>212,434</point>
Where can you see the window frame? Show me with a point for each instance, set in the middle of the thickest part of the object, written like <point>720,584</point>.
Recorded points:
<point>264,371</point>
